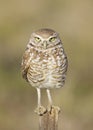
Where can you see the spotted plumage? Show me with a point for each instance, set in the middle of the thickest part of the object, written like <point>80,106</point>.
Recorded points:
<point>44,63</point>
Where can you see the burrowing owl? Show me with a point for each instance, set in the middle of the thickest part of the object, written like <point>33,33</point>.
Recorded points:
<point>44,63</point>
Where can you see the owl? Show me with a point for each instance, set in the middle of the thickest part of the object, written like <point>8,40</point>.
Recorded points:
<point>44,63</point>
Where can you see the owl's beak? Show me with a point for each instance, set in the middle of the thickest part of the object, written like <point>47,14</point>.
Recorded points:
<point>45,44</point>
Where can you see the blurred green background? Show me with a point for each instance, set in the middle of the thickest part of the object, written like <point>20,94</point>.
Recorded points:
<point>73,19</point>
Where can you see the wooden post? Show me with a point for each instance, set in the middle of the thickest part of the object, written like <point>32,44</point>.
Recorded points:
<point>49,120</point>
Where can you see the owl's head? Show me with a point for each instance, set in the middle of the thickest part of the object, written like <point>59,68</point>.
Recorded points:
<point>44,39</point>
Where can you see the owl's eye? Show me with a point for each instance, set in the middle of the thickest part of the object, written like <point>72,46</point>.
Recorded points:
<point>37,39</point>
<point>52,39</point>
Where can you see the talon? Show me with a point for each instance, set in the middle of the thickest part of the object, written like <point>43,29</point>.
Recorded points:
<point>57,108</point>
<point>40,110</point>
<point>50,108</point>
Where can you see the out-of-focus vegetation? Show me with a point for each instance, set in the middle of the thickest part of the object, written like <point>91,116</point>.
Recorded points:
<point>74,21</point>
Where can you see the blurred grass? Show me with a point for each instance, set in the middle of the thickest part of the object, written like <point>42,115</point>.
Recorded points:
<point>74,21</point>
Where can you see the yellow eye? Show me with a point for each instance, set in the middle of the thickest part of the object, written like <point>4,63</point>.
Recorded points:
<point>37,39</point>
<point>52,39</point>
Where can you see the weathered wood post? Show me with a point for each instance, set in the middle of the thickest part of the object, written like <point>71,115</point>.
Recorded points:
<point>49,120</point>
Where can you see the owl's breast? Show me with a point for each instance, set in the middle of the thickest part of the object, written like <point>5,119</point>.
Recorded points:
<point>54,72</point>
<point>45,70</point>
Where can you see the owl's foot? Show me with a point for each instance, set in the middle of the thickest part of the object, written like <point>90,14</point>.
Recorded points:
<point>40,110</point>
<point>50,108</point>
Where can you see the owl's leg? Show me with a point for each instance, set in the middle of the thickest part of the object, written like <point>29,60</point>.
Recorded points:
<point>39,96</point>
<point>49,99</point>
<point>51,106</point>
<point>40,110</point>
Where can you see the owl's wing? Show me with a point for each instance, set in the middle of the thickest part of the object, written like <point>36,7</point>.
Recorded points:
<point>25,64</point>
<point>65,63</point>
